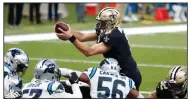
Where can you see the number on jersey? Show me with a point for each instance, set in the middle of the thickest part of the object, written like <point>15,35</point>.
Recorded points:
<point>111,90</point>
<point>33,92</point>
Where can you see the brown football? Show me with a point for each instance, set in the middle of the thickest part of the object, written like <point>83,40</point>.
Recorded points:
<point>61,25</point>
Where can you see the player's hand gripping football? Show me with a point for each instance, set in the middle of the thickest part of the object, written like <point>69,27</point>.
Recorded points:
<point>64,35</point>
<point>73,78</point>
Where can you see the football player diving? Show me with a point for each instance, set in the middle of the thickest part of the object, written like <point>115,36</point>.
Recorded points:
<point>175,86</point>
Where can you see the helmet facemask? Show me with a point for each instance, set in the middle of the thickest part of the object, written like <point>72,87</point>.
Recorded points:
<point>177,88</point>
<point>21,69</point>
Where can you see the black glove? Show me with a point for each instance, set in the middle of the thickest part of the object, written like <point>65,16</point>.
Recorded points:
<point>73,78</point>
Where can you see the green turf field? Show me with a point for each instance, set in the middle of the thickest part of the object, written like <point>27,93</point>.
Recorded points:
<point>155,53</point>
<point>146,57</point>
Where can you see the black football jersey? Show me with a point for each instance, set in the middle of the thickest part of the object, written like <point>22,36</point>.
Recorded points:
<point>120,49</point>
<point>162,91</point>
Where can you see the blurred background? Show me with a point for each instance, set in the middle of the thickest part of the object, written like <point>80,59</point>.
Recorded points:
<point>157,34</point>
<point>31,17</point>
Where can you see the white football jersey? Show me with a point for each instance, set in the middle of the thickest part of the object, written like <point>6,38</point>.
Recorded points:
<point>11,80</point>
<point>108,85</point>
<point>47,89</point>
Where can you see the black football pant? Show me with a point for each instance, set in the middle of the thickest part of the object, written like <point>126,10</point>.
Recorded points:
<point>11,18</point>
<point>134,73</point>
<point>35,6</point>
<point>56,16</point>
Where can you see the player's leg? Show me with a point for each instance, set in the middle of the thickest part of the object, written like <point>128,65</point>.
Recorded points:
<point>11,15</point>
<point>134,73</point>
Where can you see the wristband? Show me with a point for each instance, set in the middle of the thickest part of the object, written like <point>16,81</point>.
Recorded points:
<point>72,39</point>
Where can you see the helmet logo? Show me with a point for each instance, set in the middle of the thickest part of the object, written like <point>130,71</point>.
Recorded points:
<point>51,65</point>
<point>15,52</point>
<point>113,16</point>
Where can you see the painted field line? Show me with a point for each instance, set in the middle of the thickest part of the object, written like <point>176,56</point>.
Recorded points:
<point>97,62</point>
<point>145,92</point>
<point>131,45</point>
<point>157,46</point>
<point>128,31</point>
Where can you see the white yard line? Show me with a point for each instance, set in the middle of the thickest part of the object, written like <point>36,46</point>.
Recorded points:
<point>131,45</point>
<point>145,92</point>
<point>157,46</point>
<point>97,62</point>
<point>128,31</point>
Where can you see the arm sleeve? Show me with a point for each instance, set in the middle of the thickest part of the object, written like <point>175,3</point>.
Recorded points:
<point>66,72</point>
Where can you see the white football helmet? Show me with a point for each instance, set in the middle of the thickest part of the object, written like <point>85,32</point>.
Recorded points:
<point>17,60</point>
<point>178,79</point>
<point>110,64</point>
<point>47,69</point>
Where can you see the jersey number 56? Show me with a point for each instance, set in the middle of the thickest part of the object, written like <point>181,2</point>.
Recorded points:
<point>109,91</point>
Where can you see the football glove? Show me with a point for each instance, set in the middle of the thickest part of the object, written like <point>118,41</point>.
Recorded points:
<point>73,78</point>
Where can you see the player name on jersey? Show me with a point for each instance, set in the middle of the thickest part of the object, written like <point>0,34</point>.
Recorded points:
<point>111,74</point>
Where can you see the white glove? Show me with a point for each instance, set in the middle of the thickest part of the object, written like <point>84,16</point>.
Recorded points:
<point>12,94</point>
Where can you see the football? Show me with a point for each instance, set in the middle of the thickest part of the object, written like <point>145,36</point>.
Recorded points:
<point>61,25</point>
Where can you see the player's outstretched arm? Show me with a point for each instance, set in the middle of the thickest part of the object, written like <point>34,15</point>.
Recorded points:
<point>86,50</point>
<point>134,94</point>
<point>99,48</point>
<point>84,36</point>
<point>152,95</point>
<point>66,72</point>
